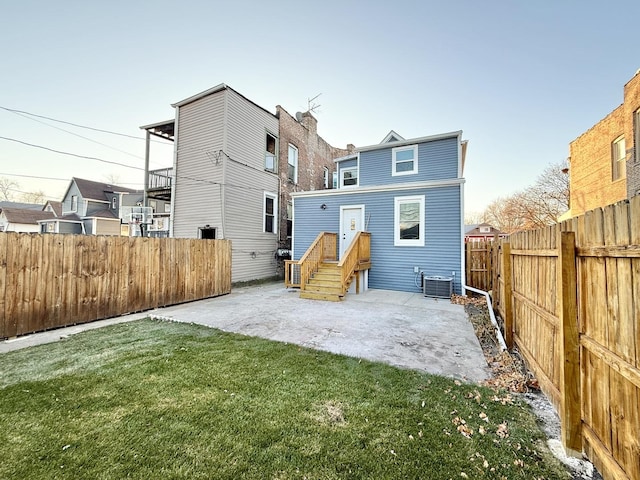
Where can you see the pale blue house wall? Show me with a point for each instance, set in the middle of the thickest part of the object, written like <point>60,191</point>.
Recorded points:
<point>392,266</point>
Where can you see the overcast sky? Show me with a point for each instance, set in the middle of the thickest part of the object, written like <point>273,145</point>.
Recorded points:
<point>521,79</point>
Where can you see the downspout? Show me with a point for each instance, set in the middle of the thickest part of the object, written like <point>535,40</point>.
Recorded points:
<point>491,315</point>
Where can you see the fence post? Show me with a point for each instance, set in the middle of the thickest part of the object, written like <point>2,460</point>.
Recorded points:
<point>507,297</point>
<point>570,404</point>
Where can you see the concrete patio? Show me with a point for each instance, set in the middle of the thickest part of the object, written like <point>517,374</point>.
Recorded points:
<point>403,329</point>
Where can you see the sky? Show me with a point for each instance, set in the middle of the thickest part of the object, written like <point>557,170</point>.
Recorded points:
<point>520,78</point>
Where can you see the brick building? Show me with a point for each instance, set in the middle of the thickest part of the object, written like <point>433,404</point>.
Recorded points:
<point>305,162</point>
<point>604,165</point>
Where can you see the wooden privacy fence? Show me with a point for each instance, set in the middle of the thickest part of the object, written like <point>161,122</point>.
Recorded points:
<point>478,264</point>
<point>569,295</point>
<point>49,281</point>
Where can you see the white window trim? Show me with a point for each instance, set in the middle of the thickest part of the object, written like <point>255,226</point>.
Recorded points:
<point>345,169</point>
<point>397,241</point>
<point>275,212</point>
<point>394,162</point>
<point>618,165</point>
<point>295,164</point>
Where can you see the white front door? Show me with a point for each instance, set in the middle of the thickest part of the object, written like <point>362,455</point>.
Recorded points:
<point>351,222</point>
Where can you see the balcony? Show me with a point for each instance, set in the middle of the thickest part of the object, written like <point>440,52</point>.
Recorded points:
<point>159,186</point>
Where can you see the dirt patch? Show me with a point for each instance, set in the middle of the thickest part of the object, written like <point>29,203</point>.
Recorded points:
<point>510,373</point>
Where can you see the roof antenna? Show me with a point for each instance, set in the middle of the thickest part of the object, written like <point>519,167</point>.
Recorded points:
<point>312,106</point>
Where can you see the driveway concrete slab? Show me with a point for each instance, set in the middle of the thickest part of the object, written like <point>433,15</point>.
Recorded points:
<point>399,328</point>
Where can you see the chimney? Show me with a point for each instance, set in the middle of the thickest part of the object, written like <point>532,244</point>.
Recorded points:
<point>310,122</point>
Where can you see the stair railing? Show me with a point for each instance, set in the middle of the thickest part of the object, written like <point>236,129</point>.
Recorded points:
<point>356,257</point>
<point>323,248</point>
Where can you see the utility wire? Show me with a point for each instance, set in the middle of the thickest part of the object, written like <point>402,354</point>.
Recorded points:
<point>78,135</point>
<point>71,154</point>
<point>199,180</point>
<point>70,123</point>
<point>32,176</point>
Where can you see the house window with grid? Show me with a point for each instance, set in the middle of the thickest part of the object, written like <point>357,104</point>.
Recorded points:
<point>405,160</point>
<point>409,221</point>
<point>293,163</point>
<point>270,213</point>
<point>618,158</point>
<point>74,203</point>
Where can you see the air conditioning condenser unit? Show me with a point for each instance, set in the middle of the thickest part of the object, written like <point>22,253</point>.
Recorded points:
<point>437,287</point>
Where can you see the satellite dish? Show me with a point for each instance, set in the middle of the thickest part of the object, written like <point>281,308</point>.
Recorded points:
<point>299,117</point>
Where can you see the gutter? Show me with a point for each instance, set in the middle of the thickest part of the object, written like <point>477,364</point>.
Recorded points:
<point>491,314</point>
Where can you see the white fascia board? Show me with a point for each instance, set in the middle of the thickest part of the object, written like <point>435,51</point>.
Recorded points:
<point>380,188</point>
<point>157,124</point>
<point>346,157</point>
<point>197,96</point>
<point>430,138</point>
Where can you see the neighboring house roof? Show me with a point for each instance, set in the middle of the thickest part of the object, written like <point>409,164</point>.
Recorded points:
<point>91,190</point>
<point>25,215</point>
<point>55,206</point>
<point>69,218</point>
<point>475,230</point>
<point>102,214</point>
<point>28,206</point>
<point>212,90</point>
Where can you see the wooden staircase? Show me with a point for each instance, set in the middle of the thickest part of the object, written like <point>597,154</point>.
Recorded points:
<point>326,283</point>
<point>320,276</point>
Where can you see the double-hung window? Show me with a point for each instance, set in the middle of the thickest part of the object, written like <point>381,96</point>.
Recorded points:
<point>618,158</point>
<point>349,177</point>
<point>405,160</point>
<point>270,224</point>
<point>271,152</point>
<point>293,163</point>
<point>409,221</point>
<point>74,203</point>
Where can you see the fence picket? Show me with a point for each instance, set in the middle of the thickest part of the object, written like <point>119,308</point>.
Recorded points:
<point>60,280</point>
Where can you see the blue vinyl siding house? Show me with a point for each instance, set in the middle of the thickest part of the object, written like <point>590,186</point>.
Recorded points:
<point>408,194</point>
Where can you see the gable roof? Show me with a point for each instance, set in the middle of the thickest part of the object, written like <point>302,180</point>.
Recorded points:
<point>474,229</point>
<point>392,136</point>
<point>91,190</point>
<point>26,215</point>
<point>430,138</point>
<point>55,206</point>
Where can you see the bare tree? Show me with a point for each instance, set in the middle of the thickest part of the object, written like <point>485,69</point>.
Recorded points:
<point>7,188</point>
<point>471,218</point>
<point>112,178</point>
<point>537,206</point>
<point>33,197</point>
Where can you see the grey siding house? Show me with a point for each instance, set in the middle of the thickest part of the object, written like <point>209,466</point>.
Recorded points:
<point>222,188</point>
<point>91,208</point>
<point>409,195</point>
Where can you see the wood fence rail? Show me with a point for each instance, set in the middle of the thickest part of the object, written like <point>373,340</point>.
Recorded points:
<point>569,296</point>
<point>49,281</point>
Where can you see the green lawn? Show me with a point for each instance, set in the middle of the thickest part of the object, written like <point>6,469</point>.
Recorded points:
<point>151,399</point>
